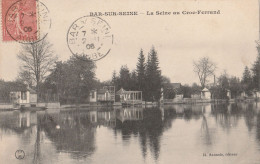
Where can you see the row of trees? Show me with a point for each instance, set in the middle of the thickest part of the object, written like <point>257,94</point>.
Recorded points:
<point>146,77</point>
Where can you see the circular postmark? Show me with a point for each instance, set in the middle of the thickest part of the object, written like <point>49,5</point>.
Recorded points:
<point>19,154</point>
<point>27,21</point>
<point>90,37</point>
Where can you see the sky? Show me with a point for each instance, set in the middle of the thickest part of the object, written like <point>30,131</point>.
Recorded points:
<point>228,39</point>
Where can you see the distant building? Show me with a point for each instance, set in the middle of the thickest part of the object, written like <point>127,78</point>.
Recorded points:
<point>243,94</point>
<point>23,96</point>
<point>101,95</point>
<point>195,95</point>
<point>205,94</point>
<point>256,94</point>
<point>129,97</point>
<point>229,94</point>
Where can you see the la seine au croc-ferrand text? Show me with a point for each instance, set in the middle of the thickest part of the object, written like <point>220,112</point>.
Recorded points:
<point>158,13</point>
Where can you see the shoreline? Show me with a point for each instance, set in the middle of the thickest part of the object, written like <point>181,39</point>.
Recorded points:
<point>50,106</point>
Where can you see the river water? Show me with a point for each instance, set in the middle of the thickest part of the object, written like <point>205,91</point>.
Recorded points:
<point>203,134</point>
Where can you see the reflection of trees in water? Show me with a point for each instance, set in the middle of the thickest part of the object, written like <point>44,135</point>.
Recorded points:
<point>258,127</point>
<point>78,129</point>
<point>149,129</point>
<point>193,111</point>
<point>226,115</point>
<point>205,131</point>
<point>249,114</point>
<point>71,132</point>
<point>187,111</point>
<point>154,122</point>
<point>20,123</point>
<point>37,148</point>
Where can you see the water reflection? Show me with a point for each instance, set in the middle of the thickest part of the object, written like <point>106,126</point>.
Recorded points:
<point>75,132</point>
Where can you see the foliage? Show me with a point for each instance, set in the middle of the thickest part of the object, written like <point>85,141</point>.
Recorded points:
<point>146,78</point>
<point>153,77</point>
<point>247,81</point>
<point>186,91</point>
<point>6,87</point>
<point>72,80</point>
<point>256,71</point>
<point>140,69</point>
<point>223,81</point>
<point>235,86</point>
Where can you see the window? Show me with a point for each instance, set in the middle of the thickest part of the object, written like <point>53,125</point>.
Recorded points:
<point>23,95</point>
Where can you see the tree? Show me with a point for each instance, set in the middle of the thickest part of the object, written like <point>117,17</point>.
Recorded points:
<point>204,68</point>
<point>140,69</point>
<point>37,59</point>
<point>235,86</point>
<point>186,90</point>
<point>73,79</point>
<point>223,81</point>
<point>153,78</point>
<point>168,91</point>
<point>220,91</point>
<point>247,81</point>
<point>124,78</point>
<point>256,71</point>
<point>114,80</point>
<point>133,81</point>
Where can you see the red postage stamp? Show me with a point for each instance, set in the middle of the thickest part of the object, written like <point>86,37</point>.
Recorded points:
<point>19,20</point>
<point>22,20</point>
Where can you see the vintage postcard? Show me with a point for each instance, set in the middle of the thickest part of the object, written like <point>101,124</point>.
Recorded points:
<point>130,81</point>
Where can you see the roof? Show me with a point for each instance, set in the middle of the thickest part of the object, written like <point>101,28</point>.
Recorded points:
<point>122,91</point>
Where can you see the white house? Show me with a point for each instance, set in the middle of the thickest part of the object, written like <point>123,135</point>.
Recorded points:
<point>229,94</point>
<point>23,96</point>
<point>205,94</point>
<point>257,94</point>
<point>100,95</point>
<point>196,96</point>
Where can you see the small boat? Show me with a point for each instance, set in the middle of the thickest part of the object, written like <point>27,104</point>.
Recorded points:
<point>23,108</point>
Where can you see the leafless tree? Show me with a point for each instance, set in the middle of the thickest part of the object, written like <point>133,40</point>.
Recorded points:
<point>204,68</point>
<point>37,59</point>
